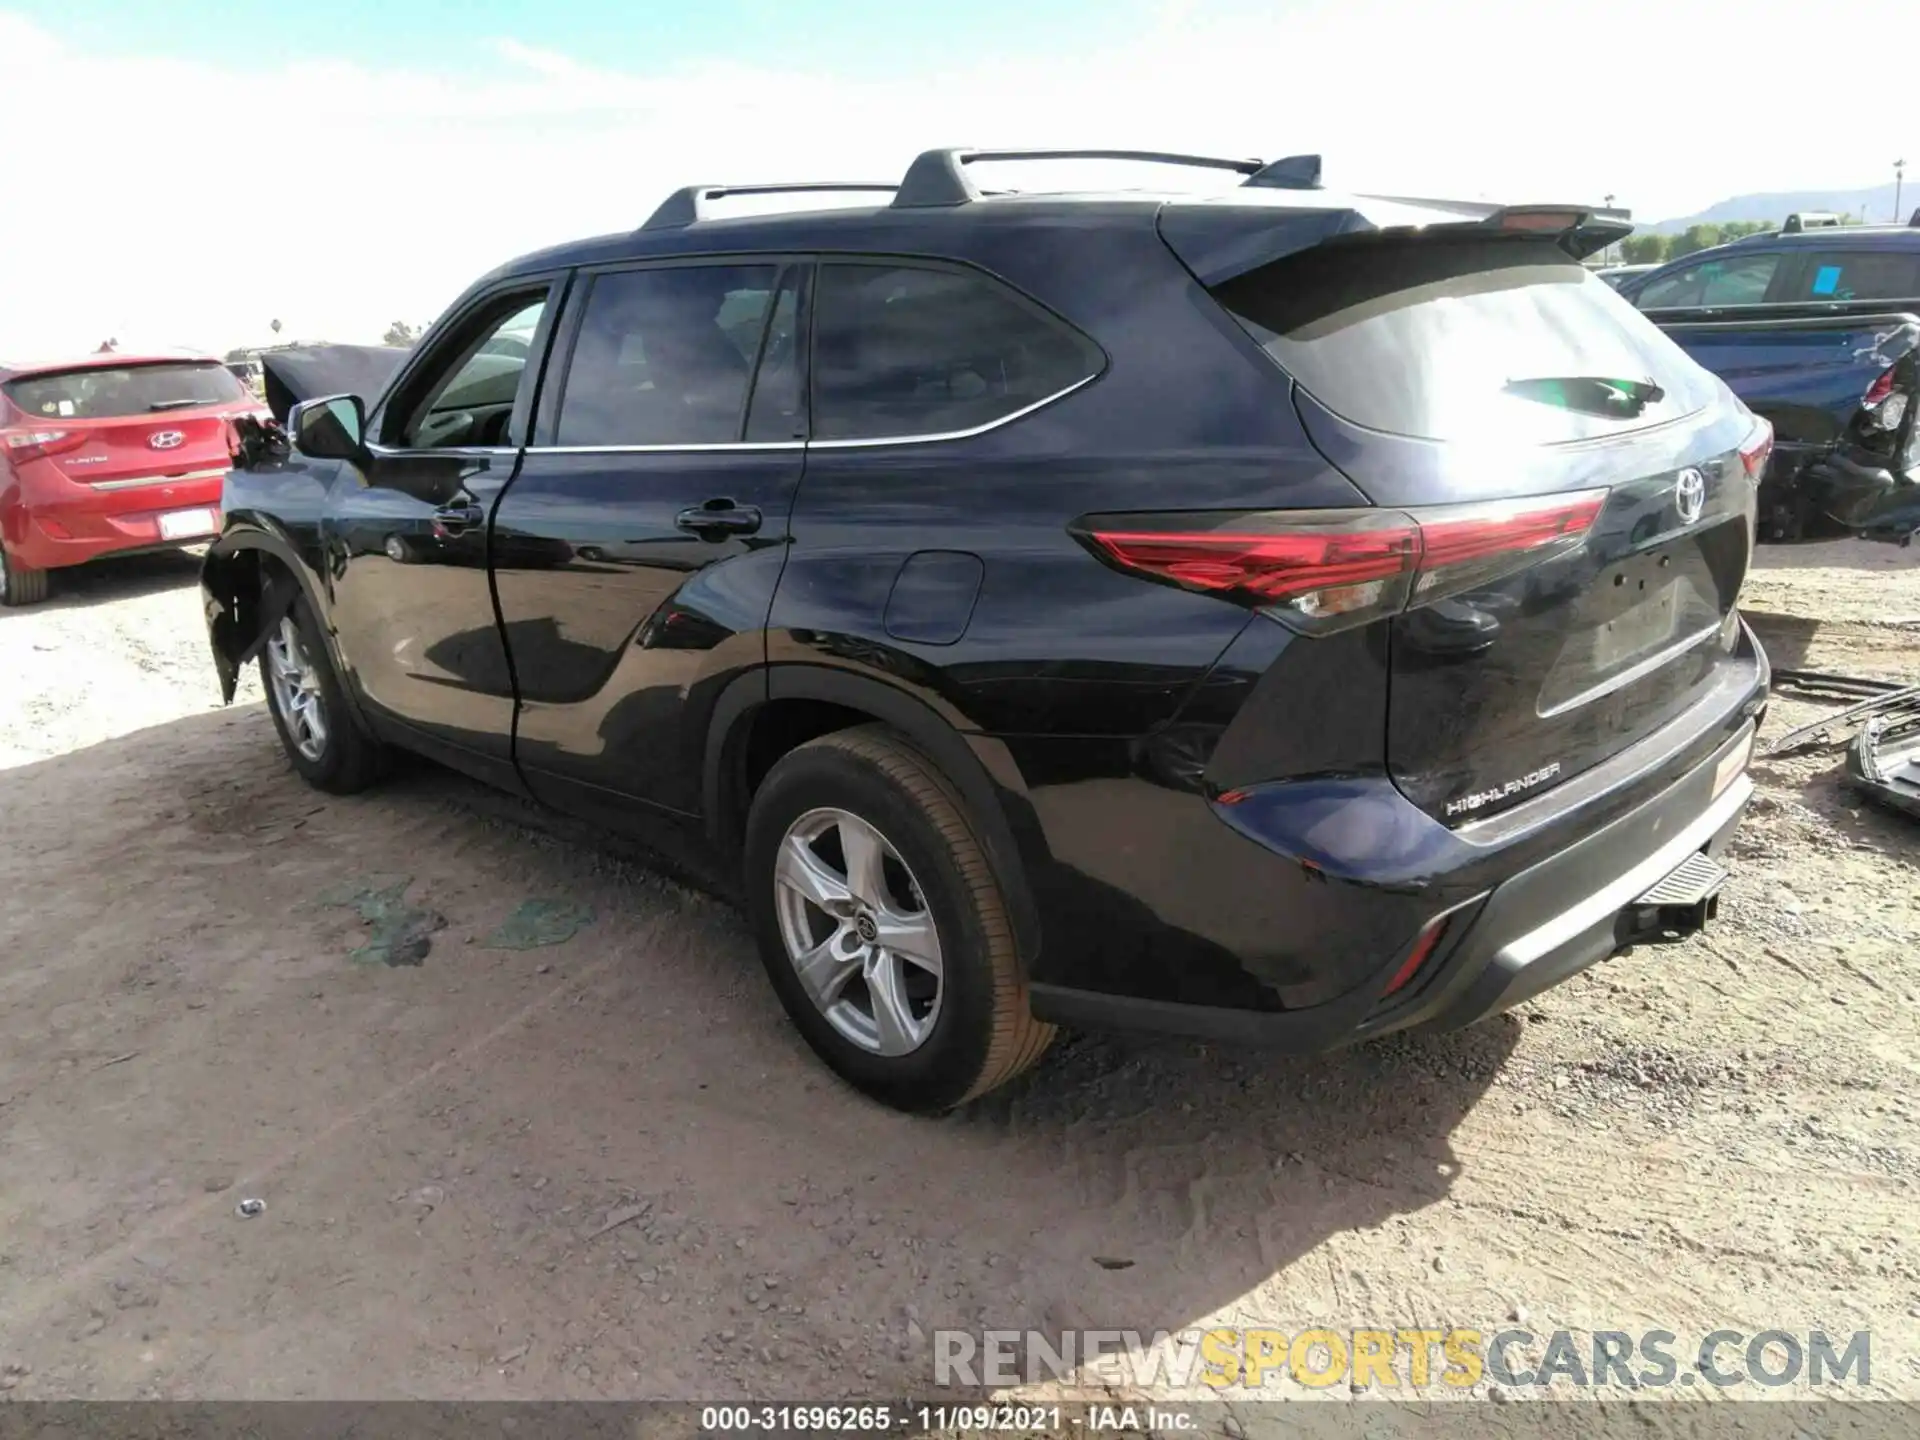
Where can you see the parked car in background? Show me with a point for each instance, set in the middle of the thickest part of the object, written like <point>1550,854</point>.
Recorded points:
<point>1287,616</point>
<point>109,455</point>
<point>1817,328</point>
<point>1618,275</point>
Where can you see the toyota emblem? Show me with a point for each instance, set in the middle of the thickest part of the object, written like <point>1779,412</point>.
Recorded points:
<point>166,439</point>
<point>1690,495</point>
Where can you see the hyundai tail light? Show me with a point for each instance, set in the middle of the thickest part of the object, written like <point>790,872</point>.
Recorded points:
<point>34,444</point>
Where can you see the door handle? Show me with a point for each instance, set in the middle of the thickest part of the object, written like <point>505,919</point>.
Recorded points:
<point>718,519</point>
<point>452,519</point>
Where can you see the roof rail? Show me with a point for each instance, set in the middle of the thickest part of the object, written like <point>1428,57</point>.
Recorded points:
<point>688,205</point>
<point>1809,220</point>
<point>937,176</point>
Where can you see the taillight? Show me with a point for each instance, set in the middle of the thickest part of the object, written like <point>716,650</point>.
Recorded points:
<point>1753,454</point>
<point>1885,406</point>
<point>1330,569</point>
<point>33,444</point>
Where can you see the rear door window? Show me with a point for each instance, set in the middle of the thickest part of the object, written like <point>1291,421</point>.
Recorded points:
<point>104,393</point>
<point>1464,338</point>
<point>664,356</point>
<point>1726,280</point>
<point>911,351</point>
<point>1860,275</point>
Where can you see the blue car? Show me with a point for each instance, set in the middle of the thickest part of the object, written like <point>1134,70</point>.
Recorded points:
<point>1817,328</point>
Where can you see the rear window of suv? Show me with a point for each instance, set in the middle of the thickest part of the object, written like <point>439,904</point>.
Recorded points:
<point>1492,340</point>
<point>106,393</point>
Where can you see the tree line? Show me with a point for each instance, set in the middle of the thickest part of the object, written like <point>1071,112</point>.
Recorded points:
<point>1658,249</point>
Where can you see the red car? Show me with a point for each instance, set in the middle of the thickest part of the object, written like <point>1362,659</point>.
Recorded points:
<point>110,454</point>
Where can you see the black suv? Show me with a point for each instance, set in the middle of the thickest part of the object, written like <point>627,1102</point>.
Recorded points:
<point>1283,616</point>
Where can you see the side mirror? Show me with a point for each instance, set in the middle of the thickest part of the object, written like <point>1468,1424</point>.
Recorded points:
<point>330,429</point>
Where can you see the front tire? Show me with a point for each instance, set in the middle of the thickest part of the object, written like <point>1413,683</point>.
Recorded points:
<point>310,711</point>
<point>882,927</point>
<point>20,584</point>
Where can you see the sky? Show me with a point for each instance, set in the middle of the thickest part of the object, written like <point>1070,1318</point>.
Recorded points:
<point>183,172</point>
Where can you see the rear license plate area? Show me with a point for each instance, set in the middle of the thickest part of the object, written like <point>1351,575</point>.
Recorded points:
<point>1639,630</point>
<point>186,524</point>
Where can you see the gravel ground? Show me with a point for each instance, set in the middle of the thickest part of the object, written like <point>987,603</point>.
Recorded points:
<point>608,1168</point>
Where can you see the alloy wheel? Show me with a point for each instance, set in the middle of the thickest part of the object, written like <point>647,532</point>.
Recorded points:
<point>858,932</point>
<point>296,690</point>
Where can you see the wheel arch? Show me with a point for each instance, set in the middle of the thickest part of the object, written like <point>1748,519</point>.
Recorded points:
<point>816,701</point>
<point>249,579</point>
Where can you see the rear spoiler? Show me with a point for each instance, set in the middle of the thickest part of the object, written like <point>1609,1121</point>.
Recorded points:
<point>1220,240</point>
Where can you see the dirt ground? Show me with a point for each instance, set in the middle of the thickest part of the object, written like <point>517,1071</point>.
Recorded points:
<point>607,1167</point>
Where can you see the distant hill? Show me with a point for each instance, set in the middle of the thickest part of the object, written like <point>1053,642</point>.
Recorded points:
<point>1876,201</point>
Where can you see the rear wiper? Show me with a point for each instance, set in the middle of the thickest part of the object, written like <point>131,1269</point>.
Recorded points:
<point>175,404</point>
<point>1590,394</point>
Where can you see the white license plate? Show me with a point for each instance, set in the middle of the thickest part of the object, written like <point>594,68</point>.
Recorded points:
<point>1731,764</point>
<point>181,524</point>
<point>1642,629</point>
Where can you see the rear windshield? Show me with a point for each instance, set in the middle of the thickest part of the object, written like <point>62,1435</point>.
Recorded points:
<point>124,390</point>
<point>1469,338</point>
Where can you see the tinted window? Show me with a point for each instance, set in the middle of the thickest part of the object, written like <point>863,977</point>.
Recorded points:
<point>1470,339</point>
<point>471,382</point>
<point>1861,275</point>
<point>125,390</point>
<point>778,408</point>
<point>664,356</point>
<point>903,350</point>
<point>1738,280</point>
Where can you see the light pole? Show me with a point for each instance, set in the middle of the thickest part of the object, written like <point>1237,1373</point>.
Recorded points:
<point>1899,175</point>
<point>1614,248</point>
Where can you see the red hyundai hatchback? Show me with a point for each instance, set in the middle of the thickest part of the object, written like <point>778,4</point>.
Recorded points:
<point>107,455</point>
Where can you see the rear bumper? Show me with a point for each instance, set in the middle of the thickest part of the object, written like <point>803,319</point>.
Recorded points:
<point>1568,913</point>
<point>1544,920</point>
<point>55,536</point>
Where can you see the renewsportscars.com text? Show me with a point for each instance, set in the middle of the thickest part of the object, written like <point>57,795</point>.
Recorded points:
<point>1401,1358</point>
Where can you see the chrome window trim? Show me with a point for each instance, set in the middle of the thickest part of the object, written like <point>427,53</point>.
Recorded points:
<point>713,445</point>
<point>860,444</point>
<point>387,452</point>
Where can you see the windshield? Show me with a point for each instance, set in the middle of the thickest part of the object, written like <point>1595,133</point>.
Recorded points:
<point>103,394</point>
<point>1467,338</point>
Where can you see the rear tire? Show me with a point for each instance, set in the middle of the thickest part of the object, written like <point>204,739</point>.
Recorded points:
<point>20,584</point>
<point>858,837</point>
<point>310,712</point>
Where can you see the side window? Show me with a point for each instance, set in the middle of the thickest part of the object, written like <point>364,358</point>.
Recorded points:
<point>664,356</point>
<point>468,401</point>
<point>778,409</point>
<point>1742,280</point>
<point>906,350</point>
<point>1861,275</point>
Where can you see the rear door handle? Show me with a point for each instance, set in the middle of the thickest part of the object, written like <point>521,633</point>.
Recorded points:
<point>452,519</point>
<point>719,518</point>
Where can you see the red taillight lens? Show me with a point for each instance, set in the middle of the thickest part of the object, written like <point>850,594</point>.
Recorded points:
<point>1326,570</point>
<point>1759,446</point>
<point>1319,564</point>
<point>1879,390</point>
<point>33,444</point>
